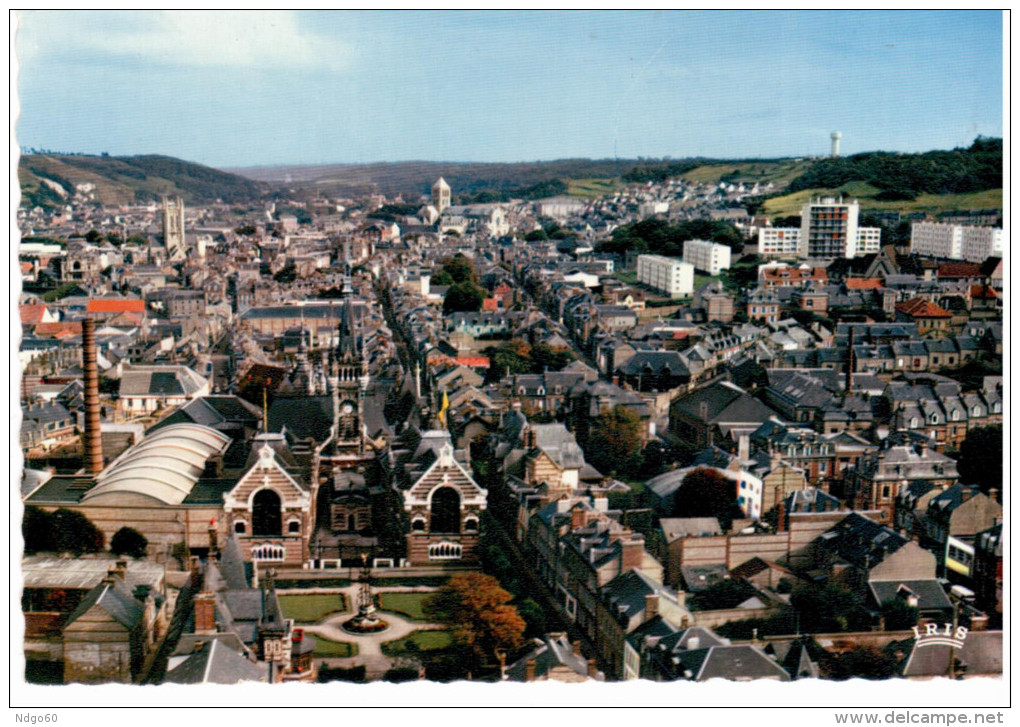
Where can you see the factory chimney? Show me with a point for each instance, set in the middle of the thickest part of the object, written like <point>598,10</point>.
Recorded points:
<point>836,136</point>
<point>93,435</point>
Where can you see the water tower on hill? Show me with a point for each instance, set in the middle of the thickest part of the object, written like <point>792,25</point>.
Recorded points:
<point>836,136</point>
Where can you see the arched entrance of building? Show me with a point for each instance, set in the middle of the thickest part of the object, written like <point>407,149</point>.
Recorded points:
<point>266,514</point>
<point>445,510</point>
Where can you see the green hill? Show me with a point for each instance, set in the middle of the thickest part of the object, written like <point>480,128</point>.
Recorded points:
<point>129,180</point>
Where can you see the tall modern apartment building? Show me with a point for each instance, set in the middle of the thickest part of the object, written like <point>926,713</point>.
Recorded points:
<point>671,276</point>
<point>709,257</point>
<point>955,242</point>
<point>828,230</point>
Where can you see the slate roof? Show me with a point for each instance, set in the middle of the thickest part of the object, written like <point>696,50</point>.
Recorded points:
<point>216,663</point>
<point>982,654</point>
<point>160,381</point>
<point>724,404</point>
<point>860,541</point>
<point>548,652</point>
<point>741,662</point>
<point>113,598</point>
<point>624,596</point>
<point>929,593</point>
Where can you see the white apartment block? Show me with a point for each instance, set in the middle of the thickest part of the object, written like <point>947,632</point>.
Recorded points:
<point>671,276</point>
<point>828,230</point>
<point>709,257</point>
<point>955,242</point>
<point>778,241</point>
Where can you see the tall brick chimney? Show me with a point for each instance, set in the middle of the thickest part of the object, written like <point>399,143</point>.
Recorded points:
<point>633,550</point>
<point>205,613</point>
<point>651,606</point>
<point>529,670</point>
<point>93,434</point>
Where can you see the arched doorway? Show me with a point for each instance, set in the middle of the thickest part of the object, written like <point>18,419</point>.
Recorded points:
<point>445,511</point>
<point>266,518</point>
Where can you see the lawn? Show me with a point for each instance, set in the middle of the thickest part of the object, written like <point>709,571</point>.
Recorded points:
<point>411,605</point>
<point>313,607</point>
<point>592,187</point>
<point>421,640</point>
<point>790,204</point>
<point>325,647</point>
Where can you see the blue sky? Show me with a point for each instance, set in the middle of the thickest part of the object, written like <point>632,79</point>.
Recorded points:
<point>251,88</point>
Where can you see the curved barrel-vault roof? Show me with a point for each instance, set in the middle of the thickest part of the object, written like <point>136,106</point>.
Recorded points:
<point>164,466</point>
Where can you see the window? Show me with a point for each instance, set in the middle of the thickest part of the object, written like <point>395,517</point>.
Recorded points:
<point>445,509</point>
<point>268,553</point>
<point>418,525</point>
<point>294,527</point>
<point>240,527</point>
<point>266,515</point>
<point>445,551</point>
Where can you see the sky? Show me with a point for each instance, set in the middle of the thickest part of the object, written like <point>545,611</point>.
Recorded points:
<point>247,88</point>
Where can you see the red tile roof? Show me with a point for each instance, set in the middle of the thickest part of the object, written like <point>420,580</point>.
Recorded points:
<point>59,329</point>
<point>116,305</point>
<point>863,283</point>
<point>959,270</point>
<point>32,314</point>
<point>983,292</point>
<point>922,308</point>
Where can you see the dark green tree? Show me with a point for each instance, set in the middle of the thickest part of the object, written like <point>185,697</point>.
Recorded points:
<point>128,541</point>
<point>464,297</point>
<point>981,458</point>
<point>865,662</point>
<point>899,615</point>
<point>613,442</point>
<point>36,530</point>
<point>75,533</point>
<point>705,492</point>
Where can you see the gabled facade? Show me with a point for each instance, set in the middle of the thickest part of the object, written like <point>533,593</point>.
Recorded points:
<point>270,510</point>
<point>445,506</point>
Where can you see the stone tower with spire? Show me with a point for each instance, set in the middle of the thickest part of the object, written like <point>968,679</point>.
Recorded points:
<point>441,195</point>
<point>349,376</point>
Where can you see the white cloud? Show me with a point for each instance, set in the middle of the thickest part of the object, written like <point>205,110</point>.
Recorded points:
<point>195,38</point>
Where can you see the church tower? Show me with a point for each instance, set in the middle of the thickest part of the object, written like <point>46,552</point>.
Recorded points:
<point>173,228</point>
<point>350,377</point>
<point>441,195</point>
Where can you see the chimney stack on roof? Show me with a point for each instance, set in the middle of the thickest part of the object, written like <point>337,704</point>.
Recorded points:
<point>93,431</point>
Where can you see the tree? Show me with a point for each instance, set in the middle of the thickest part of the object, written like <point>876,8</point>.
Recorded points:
<point>865,662</point>
<point>898,615</point>
<point>72,532</point>
<point>460,269</point>
<point>36,530</point>
<point>463,297</point>
<point>981,458</point>
<point>829,608</point>
<point>94,236</point>
<point>512,357</point>
<point>613,442</point>
<point>705,492</point>
<point>480,614</point>
<point>534,617</point>
<point>128,541</point>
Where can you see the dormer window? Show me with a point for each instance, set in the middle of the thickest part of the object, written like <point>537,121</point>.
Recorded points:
<point>976,412</point>
<point>996,407</point>
<point>913,422</point>
<point>956,415</point>
<point>934,418</point>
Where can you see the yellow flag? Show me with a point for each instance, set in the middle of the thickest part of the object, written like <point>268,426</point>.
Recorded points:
<point>442,410</point>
